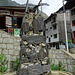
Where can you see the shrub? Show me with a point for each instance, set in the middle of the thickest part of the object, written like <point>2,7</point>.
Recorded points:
<point>3,62</point>
<point>57,67</point>
<point>15,64</point>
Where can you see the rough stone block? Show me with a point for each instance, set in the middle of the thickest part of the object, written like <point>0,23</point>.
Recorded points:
<point>10,46</point>
<point>16,52</point>
<point>50,55</point>
<point>57,55</point>
<point>0,51</point>
<point>1,39</point>
<point>56,61</point>
<point>0,34</point>
<point>60,51</point>
<point>3,46</point>
<point>54,56</point>
<point>8,57</point>
<point>11,52</point>
<point>5,51</point>
<point>65,61</point>
<point>70,68</point>
<point>17,48</point>
<point>70,62</point>
<point>62,56</point>
<point>50,51</point>
<point>65,65</point>
<point>8,40</point>
<point>5,35</point>
<point>16,44</point>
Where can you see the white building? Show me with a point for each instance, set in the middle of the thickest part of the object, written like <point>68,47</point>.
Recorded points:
<point>55,31</point>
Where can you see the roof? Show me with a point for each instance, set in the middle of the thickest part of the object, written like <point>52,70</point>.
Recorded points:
<point>49,18</point>
<point>70,4</point>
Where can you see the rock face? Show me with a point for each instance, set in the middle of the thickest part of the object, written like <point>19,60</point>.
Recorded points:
<point>33,52</point>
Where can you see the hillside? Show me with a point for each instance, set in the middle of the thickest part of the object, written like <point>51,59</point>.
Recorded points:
<point>13,3</point>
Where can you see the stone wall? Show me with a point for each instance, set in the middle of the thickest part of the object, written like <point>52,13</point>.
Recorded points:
<point>67,59</point>
<point>72,50</point>
<point>9,46</point>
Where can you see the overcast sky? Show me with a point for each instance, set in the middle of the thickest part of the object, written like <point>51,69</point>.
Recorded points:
<point>54,5</point>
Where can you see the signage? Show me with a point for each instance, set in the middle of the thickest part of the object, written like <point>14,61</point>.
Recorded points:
<point>8,21</point>
<point>17,32</point>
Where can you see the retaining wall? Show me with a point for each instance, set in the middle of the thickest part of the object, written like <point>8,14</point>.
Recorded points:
<point>9,46</point>
<point>67,59</point>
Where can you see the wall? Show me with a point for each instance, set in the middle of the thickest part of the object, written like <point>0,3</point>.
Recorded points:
<point>9,46</point>
<point>66,58</point>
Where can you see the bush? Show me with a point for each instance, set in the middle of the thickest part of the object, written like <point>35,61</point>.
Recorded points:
<point>15,64</point>
<point>3,62</point>
<point>59,67</point>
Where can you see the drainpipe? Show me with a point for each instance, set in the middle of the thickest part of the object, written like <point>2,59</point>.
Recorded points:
<point>65,26</point>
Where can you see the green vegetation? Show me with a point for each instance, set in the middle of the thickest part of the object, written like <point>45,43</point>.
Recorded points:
<point>70,41</point>
<point>3,63</point>
<point>58,67</point>
<point>15,64</point>
<point>74,68</point>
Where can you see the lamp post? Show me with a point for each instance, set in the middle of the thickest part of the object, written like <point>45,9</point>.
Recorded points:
<point>65,27</point>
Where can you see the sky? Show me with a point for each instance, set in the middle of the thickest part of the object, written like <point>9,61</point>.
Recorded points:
<point>54,5</point>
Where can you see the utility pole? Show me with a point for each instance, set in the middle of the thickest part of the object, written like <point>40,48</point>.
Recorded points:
<point>41,7</point>
<point>65,27</point>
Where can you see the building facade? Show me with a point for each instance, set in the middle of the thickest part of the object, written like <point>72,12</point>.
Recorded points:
<point>55,30</point>
<point>73,22</point>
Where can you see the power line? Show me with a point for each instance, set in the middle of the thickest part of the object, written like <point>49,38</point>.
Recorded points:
<point>57,6</point>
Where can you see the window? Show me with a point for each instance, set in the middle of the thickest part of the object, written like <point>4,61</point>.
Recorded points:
<point>50,27</point>
<point>50,45</point>
<point>73,11</point>
<point>51,35</point>
<point>73,23</point>
<point>55,35</point>
<point>53,20</point>
<point>49,39</point>
<point>53,44</point>
<point>47,36</point>
<point>54,27</point>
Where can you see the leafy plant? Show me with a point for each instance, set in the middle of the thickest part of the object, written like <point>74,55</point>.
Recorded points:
<point>57,67</point>
<point>15,64</point>
<point>74,68</point>
<point>70,41</point>
<point>3,62</point>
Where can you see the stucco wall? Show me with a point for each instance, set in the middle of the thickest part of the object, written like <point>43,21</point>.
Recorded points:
<point>66,58</point>
<point>9,46</point>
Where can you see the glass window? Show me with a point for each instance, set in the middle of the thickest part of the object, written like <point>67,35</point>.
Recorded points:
<point>73,23</point>
<point>55,35</point>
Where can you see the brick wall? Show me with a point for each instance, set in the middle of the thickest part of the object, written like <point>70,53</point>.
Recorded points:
<point>9,46</point>
<point>67,59</point>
